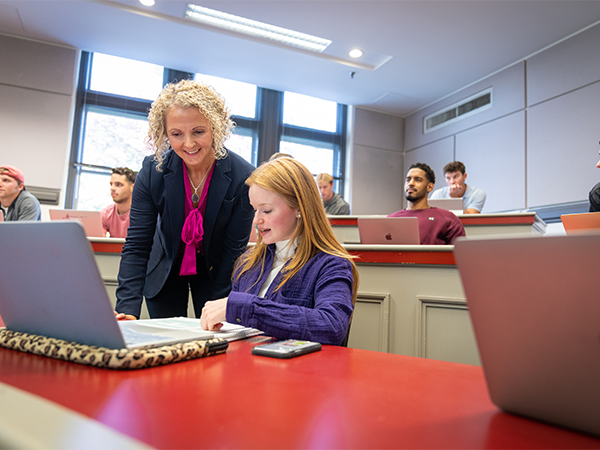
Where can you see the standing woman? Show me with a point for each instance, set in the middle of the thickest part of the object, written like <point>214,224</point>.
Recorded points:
<point>190,215</point>
<point>297,282</point>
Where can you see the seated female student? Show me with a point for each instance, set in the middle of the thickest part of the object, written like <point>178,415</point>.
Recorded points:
<point>297,282</point>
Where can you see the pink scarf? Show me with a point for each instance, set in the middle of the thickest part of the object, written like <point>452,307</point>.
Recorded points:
<point>193,227</point>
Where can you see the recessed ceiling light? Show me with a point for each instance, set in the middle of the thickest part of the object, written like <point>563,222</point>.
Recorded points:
<point>147,2</point>
<point>254,28</point>
<point>355,53</point>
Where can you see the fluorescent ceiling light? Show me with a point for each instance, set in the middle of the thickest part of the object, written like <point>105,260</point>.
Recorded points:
<point>147,2</point>
<point>254,28</point>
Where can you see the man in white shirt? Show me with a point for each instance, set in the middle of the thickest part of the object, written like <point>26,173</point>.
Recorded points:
<point>456,177</point>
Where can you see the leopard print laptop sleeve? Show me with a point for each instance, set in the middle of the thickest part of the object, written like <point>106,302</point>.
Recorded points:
<point>110,358</point>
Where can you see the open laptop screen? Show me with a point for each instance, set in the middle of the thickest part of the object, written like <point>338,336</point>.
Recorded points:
<point>91,220</point>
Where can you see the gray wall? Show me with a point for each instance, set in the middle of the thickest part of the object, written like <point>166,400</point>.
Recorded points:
<point>375,172</point>
<point>37,84</point>
<point>538,144</point>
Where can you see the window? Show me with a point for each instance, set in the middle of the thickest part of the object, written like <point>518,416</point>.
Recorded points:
<point>121,76</point>
<point>313,132</point>
<point>115,94</point>
<point>111,138</point>
<point>309,112</point>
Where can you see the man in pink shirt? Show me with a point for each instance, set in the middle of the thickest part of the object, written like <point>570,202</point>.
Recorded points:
<point>115,217</point>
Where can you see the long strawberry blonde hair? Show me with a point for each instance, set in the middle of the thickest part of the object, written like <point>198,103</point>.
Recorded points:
<point>292,181</point>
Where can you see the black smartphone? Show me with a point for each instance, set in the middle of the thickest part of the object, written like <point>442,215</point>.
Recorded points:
<point>286,349</point>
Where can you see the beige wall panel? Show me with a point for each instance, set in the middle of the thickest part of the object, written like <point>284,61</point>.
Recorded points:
<point>562,142</point>
<point>445,332</point>
<point>377,181</point>
<point>378,130</point>
<point>36,127</point>
<point>494,155</point>
<point>572,64</point>
<point>37,65</point>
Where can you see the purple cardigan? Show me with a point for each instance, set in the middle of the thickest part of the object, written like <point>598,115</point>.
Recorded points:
<point>315,305</point>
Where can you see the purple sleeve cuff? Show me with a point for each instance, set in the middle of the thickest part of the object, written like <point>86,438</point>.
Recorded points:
<point>239,308</point>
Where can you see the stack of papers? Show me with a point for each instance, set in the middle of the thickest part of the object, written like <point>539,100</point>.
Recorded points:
<point>229,331</point>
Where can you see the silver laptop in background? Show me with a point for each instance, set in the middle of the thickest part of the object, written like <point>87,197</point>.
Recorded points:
<point>91,220</point>
<point>455,205</point>
<point>535,308</point>
<point>388,230</point>
<point>51,286</point>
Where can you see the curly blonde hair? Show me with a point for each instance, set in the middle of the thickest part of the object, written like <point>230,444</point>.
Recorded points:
<point>188,94</point>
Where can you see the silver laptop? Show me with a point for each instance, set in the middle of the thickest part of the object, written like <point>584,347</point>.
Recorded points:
<point>535,308</point>
<point>51,286</point>
<point>455,205</point>
<point>388,230</point>
<point>91,220</point>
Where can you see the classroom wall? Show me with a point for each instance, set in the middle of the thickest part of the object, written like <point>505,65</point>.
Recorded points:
<point>37,91</point>
<point>376,171</point>
<point>538,144</point>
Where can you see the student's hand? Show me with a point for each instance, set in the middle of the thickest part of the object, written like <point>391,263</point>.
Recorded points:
<point>123,316</point>
<point>213,314</point>
<point>455,188</point>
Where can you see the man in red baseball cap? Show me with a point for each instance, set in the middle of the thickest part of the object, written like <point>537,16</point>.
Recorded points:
<point>15,202</point>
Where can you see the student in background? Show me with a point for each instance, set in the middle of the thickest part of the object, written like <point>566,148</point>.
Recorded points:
<point>190,214</point>
<point>595,194</point>
<point>115,217</point>
<point>334,204</point>
<point>297,282</point>
<point>456,177</point>
<point>436,226</point>
<point>16,203</point>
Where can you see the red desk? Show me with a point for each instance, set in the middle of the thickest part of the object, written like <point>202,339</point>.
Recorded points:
<point>336,398</point>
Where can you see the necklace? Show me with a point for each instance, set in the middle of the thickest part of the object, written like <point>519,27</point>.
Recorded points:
<point>195,198</point>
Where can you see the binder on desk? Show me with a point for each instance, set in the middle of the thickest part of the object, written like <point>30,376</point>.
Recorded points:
<point>229,331</point>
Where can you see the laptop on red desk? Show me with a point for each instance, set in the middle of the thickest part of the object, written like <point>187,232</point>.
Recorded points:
<point>535,307</point>
<point>91,220</point>
<point>389,230</point>
<point>581,223</point>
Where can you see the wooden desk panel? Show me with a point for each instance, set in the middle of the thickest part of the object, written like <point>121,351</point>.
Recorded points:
<point>336,398</point>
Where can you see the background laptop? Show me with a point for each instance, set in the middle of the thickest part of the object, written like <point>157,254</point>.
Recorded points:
<point>581,223</point>
<point>91,220</point>
<point>388,230</point>
<point>51,286</point>
<point>534,304</point>
<point>456,205</point>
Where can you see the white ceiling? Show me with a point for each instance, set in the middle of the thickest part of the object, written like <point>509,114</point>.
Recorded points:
<point>436,46</point>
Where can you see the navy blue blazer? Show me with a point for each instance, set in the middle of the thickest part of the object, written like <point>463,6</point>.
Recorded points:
<point>156,220</point>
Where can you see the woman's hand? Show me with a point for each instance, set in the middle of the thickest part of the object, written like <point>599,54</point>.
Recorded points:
<point>213,314</point>
<point>123,316</point>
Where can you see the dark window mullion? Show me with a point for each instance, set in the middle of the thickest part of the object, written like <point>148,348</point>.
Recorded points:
<point>117,102</point>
